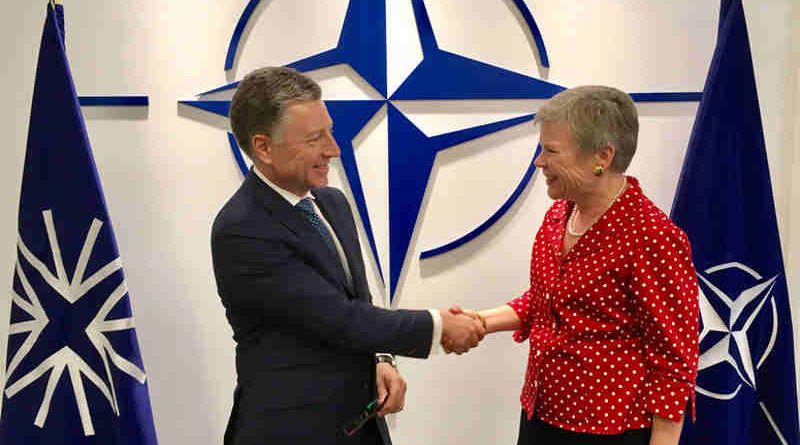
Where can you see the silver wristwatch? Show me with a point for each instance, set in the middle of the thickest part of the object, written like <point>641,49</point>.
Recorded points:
<point>386,358</point>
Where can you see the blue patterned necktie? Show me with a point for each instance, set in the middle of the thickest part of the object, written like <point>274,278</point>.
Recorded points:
<point>307,207</point>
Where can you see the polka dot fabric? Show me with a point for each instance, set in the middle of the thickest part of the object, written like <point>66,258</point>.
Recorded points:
<point>613,325</point>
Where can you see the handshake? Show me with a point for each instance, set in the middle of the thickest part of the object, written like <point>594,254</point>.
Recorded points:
<point>462,329</point>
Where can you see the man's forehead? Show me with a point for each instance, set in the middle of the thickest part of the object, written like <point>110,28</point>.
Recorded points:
<point>306,108</point>
<point>310,113</point>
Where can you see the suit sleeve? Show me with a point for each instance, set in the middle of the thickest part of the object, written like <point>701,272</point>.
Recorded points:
<point>267,275</point>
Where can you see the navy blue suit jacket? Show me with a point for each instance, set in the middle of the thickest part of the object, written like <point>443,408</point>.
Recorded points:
<point>305,338</point>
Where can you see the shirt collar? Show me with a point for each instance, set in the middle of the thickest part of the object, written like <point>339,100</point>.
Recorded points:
<point>287,195</point>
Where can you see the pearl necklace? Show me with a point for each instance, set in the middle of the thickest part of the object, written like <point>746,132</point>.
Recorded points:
<point>571,221</point>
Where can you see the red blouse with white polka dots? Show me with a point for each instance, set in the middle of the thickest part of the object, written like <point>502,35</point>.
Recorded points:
<point>613,325</point>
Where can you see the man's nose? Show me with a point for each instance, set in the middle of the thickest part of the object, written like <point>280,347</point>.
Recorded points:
<point>330,147</point>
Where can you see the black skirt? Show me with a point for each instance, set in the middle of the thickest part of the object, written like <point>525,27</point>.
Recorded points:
<point>536,432</point>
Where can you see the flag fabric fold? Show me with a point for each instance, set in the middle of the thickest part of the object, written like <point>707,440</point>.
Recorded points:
<point>74,373</point>
<point>746,381</point>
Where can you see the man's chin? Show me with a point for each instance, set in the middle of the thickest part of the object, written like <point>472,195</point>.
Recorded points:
<point>323,182</point>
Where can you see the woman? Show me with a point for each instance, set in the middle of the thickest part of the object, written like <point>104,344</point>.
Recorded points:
<point>612,309</point>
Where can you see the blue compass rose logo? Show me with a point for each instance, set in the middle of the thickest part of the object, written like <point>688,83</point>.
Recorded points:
<point>440,76</point>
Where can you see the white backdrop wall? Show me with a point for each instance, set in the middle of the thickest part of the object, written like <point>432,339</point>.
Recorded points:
<point>166,168</point>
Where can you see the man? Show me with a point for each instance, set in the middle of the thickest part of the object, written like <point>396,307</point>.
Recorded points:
<point>291,276</point>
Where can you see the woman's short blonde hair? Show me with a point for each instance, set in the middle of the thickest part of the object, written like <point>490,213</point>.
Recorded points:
<point>597,116</point>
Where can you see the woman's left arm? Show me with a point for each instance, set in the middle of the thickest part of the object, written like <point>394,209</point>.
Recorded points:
<point>665,431</point>
<point>664,286</point>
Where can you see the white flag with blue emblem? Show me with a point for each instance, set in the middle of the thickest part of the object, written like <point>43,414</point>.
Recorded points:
<point>746,381</point>
<point>74,374</point>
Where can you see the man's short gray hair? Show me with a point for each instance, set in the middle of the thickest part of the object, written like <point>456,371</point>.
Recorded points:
<point>597,116</point>
<point>261,98</point>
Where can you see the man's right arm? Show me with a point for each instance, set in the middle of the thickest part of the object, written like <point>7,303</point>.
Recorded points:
<point>265,275</point>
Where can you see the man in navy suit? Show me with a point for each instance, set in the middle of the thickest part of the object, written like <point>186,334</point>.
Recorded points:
<point>291,277</point>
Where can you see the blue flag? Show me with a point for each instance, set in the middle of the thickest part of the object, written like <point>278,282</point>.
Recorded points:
<point>74,374</point>
<point>746,390</point>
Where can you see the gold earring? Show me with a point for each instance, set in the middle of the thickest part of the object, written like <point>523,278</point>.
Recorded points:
<point>598,170</point>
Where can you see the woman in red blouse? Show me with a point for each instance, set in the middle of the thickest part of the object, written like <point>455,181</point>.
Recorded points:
<point>612,309</point>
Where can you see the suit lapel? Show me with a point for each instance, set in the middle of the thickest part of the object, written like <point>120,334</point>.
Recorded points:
<point>310,243</point>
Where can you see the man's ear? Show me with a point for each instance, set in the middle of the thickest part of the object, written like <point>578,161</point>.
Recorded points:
<point>261,148</point>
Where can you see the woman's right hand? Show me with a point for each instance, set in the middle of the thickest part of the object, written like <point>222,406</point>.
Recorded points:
<point>500,318</point>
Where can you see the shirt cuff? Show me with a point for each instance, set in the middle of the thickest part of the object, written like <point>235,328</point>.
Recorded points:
<point>521,334</point>
<point>669,398</point>
<point>436,341</point>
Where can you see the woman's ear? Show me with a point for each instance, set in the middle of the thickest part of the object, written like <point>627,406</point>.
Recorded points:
<point>604,155</point>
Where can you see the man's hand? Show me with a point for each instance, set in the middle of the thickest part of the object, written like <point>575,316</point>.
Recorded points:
<point>456,309</point>
<point>391,388</point>
<point>460,332</point>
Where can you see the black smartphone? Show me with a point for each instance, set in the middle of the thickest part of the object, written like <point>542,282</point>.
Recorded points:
<point>369,412</point>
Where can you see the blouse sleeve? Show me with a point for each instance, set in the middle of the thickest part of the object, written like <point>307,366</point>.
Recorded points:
<point>664,285</point>
<point>522,306</point>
